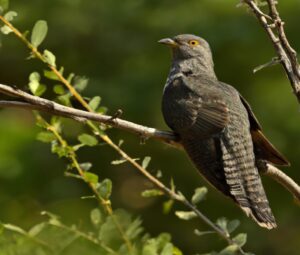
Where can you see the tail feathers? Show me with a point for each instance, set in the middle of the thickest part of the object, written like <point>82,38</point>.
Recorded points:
<point>263,218</point>
<point>265,150</point>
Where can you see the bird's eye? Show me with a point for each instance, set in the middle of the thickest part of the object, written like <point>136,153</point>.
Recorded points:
<point>193,42</point>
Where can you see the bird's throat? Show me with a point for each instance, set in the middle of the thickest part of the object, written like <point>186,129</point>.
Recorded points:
<point>194,67</point>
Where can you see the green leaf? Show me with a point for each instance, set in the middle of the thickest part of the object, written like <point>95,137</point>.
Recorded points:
<point>152,193</point>
<point>61,151</point>
<point>59,89</point>
<point>167,250</point>
<point>102,110</point>
<point>86,166</point>
<point>88,140</point>
<point>118,161</point>
<point>49,58</point>
<point>159,174</point>
<point>134,229</point>
<point>229,250</point>
<point>5,30</point>
<point>162,240</point>
<point>240,239</point>
<point>90,177</point>
<point>52,76</point>
<point>96,216</point>
<point>199,195</point>
<point>167,206</point>
<point>202,233</point>
<point>150,248</point>
<point>46,137</point>
<point>176,251</point>
<point>35,230</point>
<point>14,228</point>
<point>105,188</point>
<point>41,90</point>
<point>65,99</point>
<point>4,4</point>
<point>50,215</point>
<point>9,16</point>
<point>232,225</point>
<point>109,233</point>
<point>35,87</point>
<point>80,83</point>
<point>146,162</point>
<point>40,122</point>
<point>222,223</point>
<point>184,215</point>
<point>39,33</point>
<point>53,219</point>
<point>95,102</point>
<point>35,77</point>
<point>70,77</point>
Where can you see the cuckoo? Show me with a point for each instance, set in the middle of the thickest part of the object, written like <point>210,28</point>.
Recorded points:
<point>217,128</point>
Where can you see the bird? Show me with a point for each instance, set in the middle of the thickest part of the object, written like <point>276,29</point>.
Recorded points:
<point>217,128</point>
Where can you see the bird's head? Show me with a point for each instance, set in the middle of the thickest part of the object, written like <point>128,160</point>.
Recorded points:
<point>188,46</point>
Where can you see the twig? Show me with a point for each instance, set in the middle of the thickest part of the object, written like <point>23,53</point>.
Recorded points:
<point>106,204</point>
<point>44,105</point>
<point>284,180</point>
<point>41,104</point>
<point>275,31</point>
<point>85,236</point>
<point>35,52</point>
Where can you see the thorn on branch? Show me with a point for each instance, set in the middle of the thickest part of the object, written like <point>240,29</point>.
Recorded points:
<point>116,115</point>
<point>274,61</point>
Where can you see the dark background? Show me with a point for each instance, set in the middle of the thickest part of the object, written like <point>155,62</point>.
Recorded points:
<point>113,43</point>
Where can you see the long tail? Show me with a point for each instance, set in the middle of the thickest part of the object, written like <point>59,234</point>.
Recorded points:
<point>244,181</point>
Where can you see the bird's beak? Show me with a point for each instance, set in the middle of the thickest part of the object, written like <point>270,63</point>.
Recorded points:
<point>168,41</point>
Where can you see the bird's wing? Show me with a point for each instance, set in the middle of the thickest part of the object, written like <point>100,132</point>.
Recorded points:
<point>201,114</point>
<point>209,116</point>
<point>264,149</point>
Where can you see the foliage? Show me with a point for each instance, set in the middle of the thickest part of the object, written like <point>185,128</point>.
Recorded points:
<point>117,49</point>
<point>54,237</point>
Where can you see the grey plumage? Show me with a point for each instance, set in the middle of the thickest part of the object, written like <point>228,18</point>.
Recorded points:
<point>217,127</point>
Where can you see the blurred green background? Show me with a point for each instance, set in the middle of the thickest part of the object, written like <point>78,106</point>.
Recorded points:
<point>113,43</point>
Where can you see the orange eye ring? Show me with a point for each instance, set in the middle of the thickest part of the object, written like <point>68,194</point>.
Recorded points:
<point>193,43</point>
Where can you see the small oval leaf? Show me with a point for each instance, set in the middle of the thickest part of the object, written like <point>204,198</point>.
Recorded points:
<point>152,193</point>
<point>50,58</point>
<point>94,103</point>
<point>240,239</point>
<point>199,195</point>
<point>39,32</point>
<point>88,140</point>
<point>185,215</point>
<point>146,162</point>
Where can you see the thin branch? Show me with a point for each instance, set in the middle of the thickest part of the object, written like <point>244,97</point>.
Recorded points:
<point>85,236</point>
<point>275,31</point>
<point>36,53</point>
<point>284,180</point>
<point>44,105</point>
<point>72,157</point>
<point>41,104</point>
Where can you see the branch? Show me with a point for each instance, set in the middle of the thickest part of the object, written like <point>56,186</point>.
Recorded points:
<point>283,179</point>
<point>275,30</point>
<point>44,105</point>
